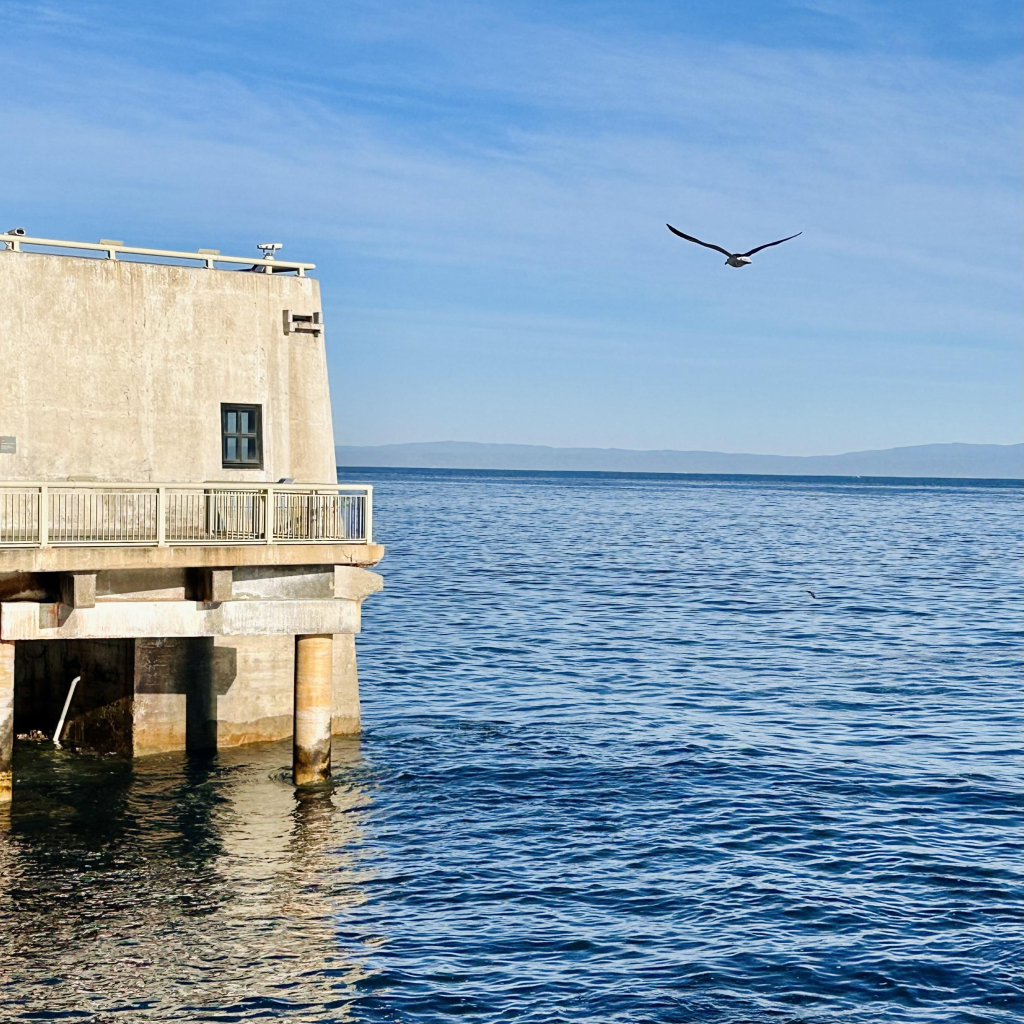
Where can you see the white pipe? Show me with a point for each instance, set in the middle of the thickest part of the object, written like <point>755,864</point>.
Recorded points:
<point>64,713</point>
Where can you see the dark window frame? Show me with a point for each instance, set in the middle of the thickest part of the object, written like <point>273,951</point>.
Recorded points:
<point>239,435</point>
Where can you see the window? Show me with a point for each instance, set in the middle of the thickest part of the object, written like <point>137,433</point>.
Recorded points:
<point>242,436</point>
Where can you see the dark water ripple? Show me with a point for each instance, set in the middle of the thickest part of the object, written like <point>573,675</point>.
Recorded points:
<point>617,766</point>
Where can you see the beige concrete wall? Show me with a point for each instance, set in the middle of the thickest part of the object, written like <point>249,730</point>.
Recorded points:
<point>171,691</point>
<point>345,713</point>
<point>116,370</point>
<point>254,682</point>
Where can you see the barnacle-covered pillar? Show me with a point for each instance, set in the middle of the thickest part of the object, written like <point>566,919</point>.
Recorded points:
<point>314,672</point>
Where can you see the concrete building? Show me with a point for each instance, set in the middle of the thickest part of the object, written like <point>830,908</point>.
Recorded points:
<point>171,526</point>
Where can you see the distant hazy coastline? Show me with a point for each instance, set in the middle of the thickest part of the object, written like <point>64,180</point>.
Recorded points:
<point>965,461</point>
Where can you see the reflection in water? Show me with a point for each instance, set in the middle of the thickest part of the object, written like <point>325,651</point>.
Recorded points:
<point>178,888</point>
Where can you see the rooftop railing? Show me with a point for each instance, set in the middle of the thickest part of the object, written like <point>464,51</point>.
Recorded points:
<point>112,249</point>
<point>75,514</point>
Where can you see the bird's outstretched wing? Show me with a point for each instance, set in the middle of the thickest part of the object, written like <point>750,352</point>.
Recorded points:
<point>706,245</point>
<point>768,245</point>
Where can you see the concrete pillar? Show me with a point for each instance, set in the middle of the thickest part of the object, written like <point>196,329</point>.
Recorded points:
<point>6,718</point>
<point>311,745</point>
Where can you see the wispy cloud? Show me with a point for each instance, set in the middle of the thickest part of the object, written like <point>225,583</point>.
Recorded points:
<point>502,163</point>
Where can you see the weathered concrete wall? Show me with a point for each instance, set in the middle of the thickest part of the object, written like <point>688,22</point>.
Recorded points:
<point>345,714</point>
<point>116,370</point>
<point>174,704</point>
<point>253,682</point>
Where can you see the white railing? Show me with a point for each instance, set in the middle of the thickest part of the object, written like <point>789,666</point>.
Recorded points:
<point>111,249</point>
<point>119,515</point>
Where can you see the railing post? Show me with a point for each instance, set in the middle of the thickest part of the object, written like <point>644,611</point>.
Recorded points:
<point>161,517</point>
<point>268,526</point>
<point>44,516</point>
<point>369,515</point>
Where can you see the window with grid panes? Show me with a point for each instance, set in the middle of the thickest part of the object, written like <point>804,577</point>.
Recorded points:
<point>241,436</point>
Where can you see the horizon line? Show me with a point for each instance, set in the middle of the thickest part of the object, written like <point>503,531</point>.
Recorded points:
<point>997,481</point>
<point>685,451</point>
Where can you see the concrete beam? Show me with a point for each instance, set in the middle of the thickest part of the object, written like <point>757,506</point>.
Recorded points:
<point>284,583</point>
<point>183,556</point>
<point>78,589</point>
<point>22,620</point>
<point>215,584</point>
<point>354,584</point>
<point>305,583</point>
<point>146,585</point>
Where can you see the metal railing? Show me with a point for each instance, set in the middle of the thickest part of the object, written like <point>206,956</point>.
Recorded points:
<point>120,515</point>
<point>209,258</point>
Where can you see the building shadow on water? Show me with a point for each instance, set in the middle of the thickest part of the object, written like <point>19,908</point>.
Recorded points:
<point>188,887</point>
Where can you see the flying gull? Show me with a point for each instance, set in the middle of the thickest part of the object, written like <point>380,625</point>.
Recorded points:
<point>733,259</point>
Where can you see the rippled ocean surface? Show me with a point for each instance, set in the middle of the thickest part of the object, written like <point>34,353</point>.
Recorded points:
<point>618,765</point>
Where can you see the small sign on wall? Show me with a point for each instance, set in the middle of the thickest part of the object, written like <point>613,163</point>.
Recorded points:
<point>8,445</point>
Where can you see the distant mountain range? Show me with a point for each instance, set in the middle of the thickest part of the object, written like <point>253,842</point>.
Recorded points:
<point>977,461</point>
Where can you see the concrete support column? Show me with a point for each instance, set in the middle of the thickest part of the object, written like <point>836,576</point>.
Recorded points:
<point>314,671</point>
<point>6,718</point>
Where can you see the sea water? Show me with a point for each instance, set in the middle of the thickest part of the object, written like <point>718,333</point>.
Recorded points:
<point>635,748</point>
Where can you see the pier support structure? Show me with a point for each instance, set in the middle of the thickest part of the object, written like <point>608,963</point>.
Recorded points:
<point>165,669</point>
<point>314,672</point>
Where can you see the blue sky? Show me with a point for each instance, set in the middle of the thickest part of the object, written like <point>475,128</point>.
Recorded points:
<point>484,188</point>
